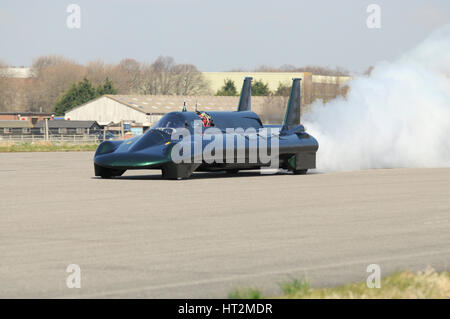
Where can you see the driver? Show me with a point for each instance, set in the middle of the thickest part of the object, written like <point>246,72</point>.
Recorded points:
<point>206,119</point>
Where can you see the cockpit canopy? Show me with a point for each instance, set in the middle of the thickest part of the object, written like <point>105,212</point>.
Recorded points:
<point>221,120</point>
<point>170,120</point>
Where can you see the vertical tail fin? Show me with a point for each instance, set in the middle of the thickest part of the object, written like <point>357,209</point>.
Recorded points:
<point>245,101</point>
<point>292,117</point>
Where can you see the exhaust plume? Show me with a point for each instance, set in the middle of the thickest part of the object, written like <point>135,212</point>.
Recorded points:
<point>399,116</point>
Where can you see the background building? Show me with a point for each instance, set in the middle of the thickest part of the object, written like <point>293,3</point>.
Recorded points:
<point>62,127</point>
<point>16,72</point>
<point>313,86</point>
<point>32,117</point>
<point>15,127</point>
<point>148,109</point>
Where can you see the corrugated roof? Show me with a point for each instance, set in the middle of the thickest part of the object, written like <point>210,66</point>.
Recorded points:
<point>27,113</point>
<point>66,124</point>
<point>161,104</point>
<point>15,124</point>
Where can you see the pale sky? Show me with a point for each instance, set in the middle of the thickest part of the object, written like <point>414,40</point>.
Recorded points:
<point>218,35</point>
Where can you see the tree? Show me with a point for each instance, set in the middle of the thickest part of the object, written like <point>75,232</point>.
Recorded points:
<point>106,88</point>
<point>228,88</point>
<point>282,90</point>
<point>78,94</point>
<point>127,76</point>
<point>188,80</point>
<point>166,77</point>
<point>158,77</point>
<point>4,87</point>
<point>12,90</point>
<point>97,71</point>
<point>259,88</point>
<point>46,61</point>
<point>53,75</point>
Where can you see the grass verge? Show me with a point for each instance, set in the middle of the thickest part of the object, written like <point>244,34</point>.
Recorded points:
<point>46,147</point>
<point>249,293</point>
<point>406,285</point>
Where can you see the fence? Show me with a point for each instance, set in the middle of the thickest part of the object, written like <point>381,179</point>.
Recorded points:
<point>68,139</point>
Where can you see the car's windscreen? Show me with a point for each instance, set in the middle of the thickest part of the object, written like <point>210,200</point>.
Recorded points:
<point>152,137</point>
<point>170,121</point>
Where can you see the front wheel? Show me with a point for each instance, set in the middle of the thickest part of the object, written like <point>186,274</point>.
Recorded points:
<point>112,173</point>
<point>106,173</point>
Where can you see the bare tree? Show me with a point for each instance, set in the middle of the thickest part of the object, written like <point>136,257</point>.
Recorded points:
<point>189,81</point>
<point>53,75</point>
<point>273,109</point>
<point>147,82</point>
<point>4,87</point>
<point>126,76</point>
<point>166,77</point>
<point>162,71</point>
<point>97,72</point>
<point>47,61</point>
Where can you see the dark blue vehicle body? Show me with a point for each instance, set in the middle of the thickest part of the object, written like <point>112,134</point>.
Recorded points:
<point>237,137</point>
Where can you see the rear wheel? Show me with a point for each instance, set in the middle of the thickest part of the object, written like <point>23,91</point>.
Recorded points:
<point>299,171</point>
<point>178,171</point>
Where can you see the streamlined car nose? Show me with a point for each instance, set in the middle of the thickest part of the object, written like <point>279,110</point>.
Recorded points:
<point>130,160</point>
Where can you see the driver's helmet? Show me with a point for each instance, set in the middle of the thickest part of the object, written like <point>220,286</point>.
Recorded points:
<point>206,119</point>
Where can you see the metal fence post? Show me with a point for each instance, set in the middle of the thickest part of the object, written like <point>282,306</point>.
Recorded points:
<point>46,129</point>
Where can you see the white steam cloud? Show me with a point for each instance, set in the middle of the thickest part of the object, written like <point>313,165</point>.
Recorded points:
<point>397,117</point>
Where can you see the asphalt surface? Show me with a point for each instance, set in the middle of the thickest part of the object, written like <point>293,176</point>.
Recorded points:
<point>141,236</point>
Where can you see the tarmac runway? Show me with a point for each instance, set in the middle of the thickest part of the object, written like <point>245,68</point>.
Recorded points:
<point>141,236</point>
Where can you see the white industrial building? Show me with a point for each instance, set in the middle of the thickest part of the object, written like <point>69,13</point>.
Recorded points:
<point>147,109</point>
